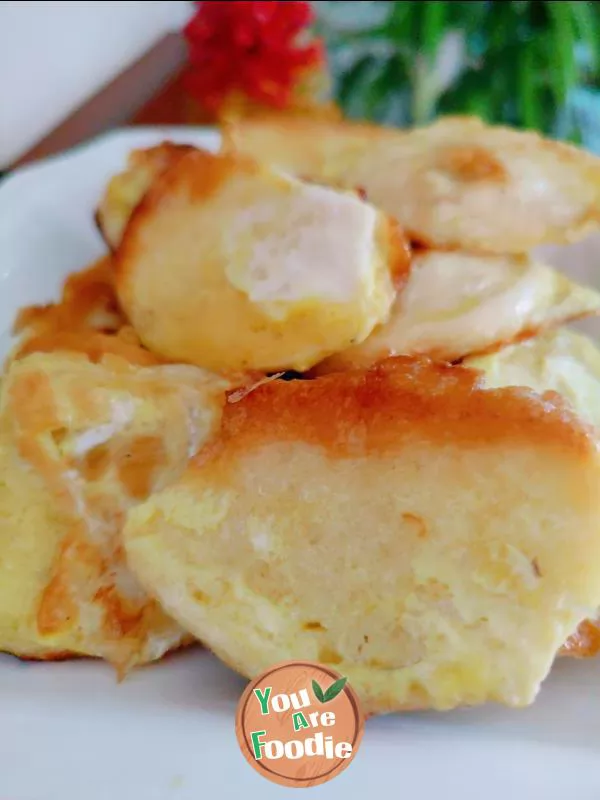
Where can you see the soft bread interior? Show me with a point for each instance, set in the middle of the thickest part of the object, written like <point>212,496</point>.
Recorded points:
<point>455,304</point>
<point>434,541</point>
<point>457,183</point>
<point>231,266</point>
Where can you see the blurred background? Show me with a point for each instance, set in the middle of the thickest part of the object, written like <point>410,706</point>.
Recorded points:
<point>55,54</point>
<point>530,64</point>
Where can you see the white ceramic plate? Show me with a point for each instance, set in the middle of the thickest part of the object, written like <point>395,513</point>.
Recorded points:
<point>68,731</point>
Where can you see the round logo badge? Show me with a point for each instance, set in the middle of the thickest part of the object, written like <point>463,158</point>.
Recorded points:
<point>299,723</point>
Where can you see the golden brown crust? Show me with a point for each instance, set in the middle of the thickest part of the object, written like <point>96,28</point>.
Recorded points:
<point>394,400</point>
<point>86,319</point>
<point>409,494</point>
<point>96,346</point>
<point>79,322</point>
<point>398,247</point>
<point>94,439</point>
<point>126,622</point>
<point>88,301</point>
<point>126,189</point>
<point>152,200</point>
<point>198,173</point>
<point>585,643</point>
<point>472,163</point>
<point>64,656</point>
<point>212,308</point>
<point>69,656</point>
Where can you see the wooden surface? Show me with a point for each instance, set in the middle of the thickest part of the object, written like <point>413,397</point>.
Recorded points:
<point>149,92</point>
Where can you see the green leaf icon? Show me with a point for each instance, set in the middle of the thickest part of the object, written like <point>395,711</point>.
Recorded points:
<point>318,692</point>
<point>334,690</point>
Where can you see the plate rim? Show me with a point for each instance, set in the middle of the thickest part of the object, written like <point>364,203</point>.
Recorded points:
<point>99,140</point>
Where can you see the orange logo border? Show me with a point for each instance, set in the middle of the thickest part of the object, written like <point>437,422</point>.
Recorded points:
<point>243,734</point>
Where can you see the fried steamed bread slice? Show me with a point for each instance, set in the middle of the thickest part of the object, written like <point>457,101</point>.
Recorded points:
<point>86,319</point>
<point>435,541</point>
<point>560,360</point>
<point>456,304</point>
<point>126,189</point>
<point>231,266</point>
<point>457,183</point>
<point>568,363</point>
<point>80,444</point>
<point>88,302</point>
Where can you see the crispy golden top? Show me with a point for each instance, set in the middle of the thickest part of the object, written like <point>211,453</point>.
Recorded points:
<point>403,523</point>
<point>374,411</point>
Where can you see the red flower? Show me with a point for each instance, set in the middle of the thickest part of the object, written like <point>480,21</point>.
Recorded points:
<point>249,47</point>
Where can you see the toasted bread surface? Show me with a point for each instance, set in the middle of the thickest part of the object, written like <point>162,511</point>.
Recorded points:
<point>231,266</point>
<point>455,304</point>
<point>402,524</point>
<point>127,188</point>
<point>81,443</point>
<point>457,183</point>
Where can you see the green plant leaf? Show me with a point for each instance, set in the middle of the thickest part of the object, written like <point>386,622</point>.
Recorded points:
<point>469,95</point>
<point>528,98</point>
<point>586,19</point>
<point>467,16</point>
<point>562,63</point>
<point>350,80</point>
<point>359,91</point>
<point>334,689</point>
<point>318,692</point>
<point>382,86</point>
<point>521,6</point>
<point>521,62</point>
<point>433,27</point>
<point>400,20</point>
